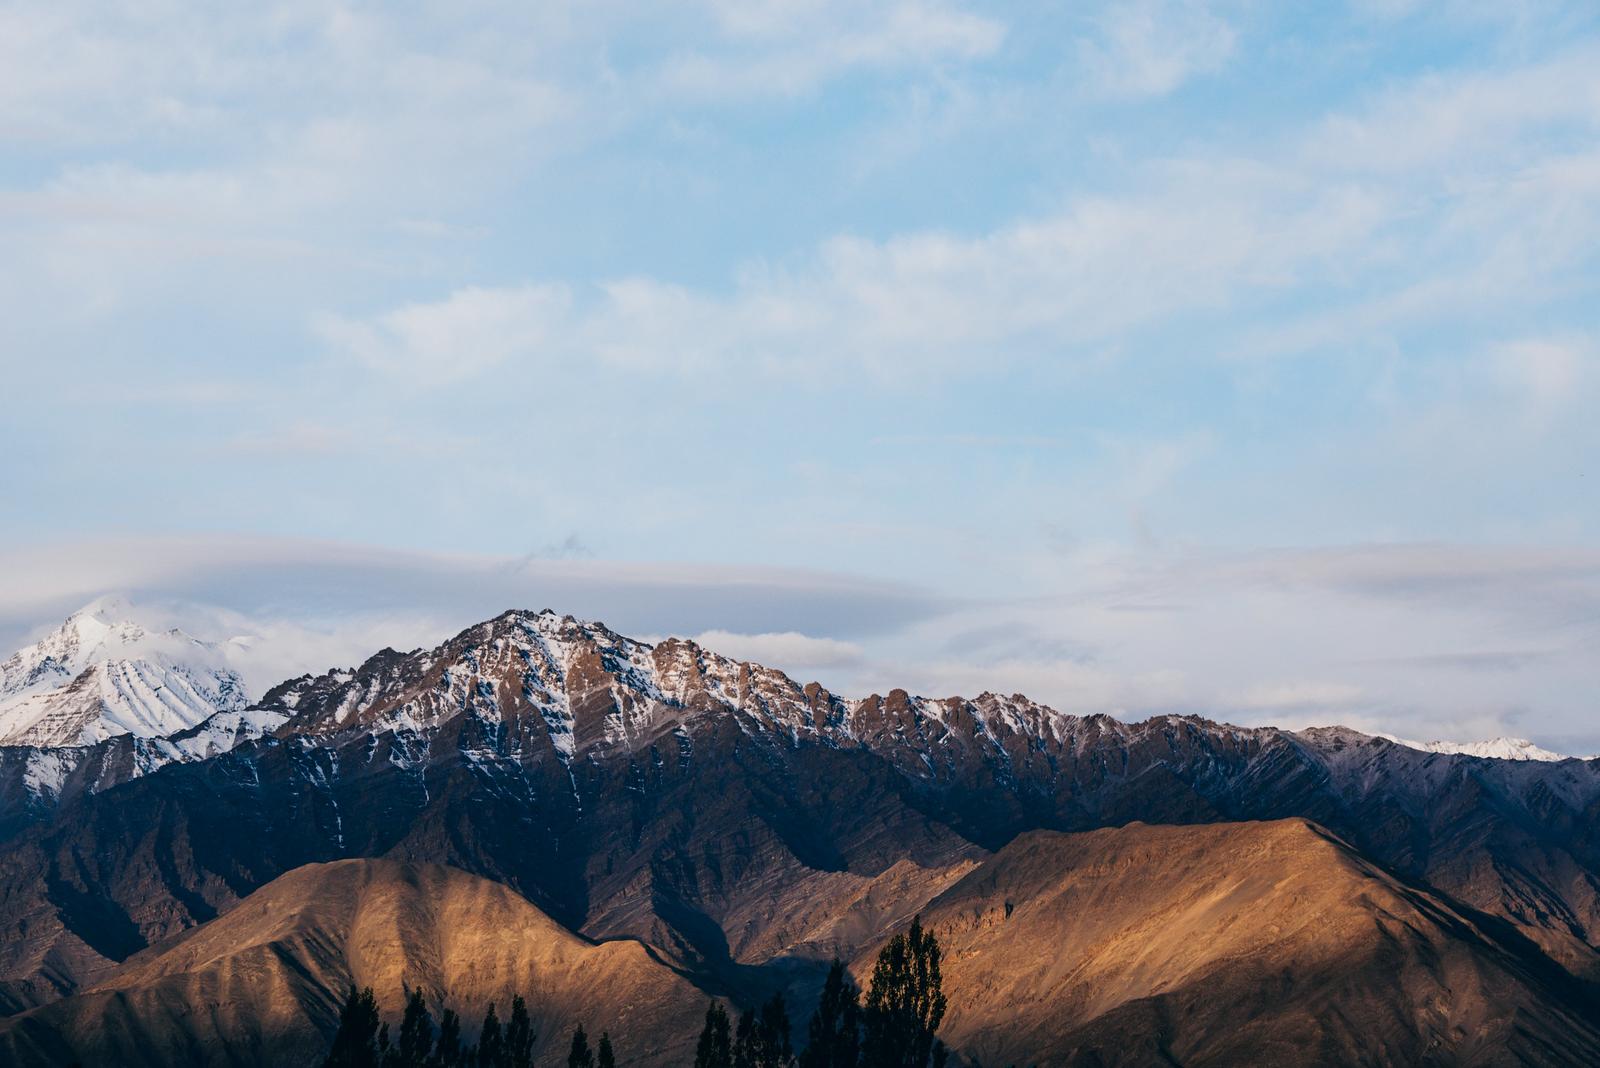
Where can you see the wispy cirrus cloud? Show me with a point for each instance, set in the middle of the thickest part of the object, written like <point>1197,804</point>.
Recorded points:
<point>933,303</point>
<point>1198,237</point>
<point>791,48</point>
<point>1151,47</point>
<point>789,651</point>
<point>469,332</point>
<point>1441,641</point>
<point>1065,313</point>
<point>1550,374</point>
<point>349,591</point>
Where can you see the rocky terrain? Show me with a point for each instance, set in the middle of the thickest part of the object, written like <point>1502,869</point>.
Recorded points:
<point>271,974</point>
<point>748,827</point>
<point>1233,943</point>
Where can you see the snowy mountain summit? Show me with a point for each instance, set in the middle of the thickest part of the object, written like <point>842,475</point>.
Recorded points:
<point>1493,748</point>
<point>103,673</point>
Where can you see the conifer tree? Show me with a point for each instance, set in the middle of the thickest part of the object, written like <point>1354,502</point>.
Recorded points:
<point>763,1037</point>
<point>519,1036</point>
<point>905,1003</point>
<point>715,1048</point>
<point>416,1035</point>
<point>834,1038</point>
<point>580,1056</point>
<point>606,1057</point>
<point>448,1053</point>
<point>776,1049</point>
<point>355,1044</point>
<point>491,1043</point>
<point>744,1041</point>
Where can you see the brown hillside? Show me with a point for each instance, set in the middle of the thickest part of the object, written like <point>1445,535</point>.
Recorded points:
<point>1232,944</point>
<point>261,984</point>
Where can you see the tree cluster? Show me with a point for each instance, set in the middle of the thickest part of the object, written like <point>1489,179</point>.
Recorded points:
<point>363,1040</point>
<point>580,1056</point>
<point>760,1041</point>
<point>893,1028</point>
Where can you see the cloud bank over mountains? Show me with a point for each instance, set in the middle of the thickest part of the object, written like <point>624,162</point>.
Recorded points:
<point>1428,641</point>
<point>1171,355</point>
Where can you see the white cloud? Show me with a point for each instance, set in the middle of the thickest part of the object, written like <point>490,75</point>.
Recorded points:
<point>1548,373</point>
<point>185,168</point>
<point>1435,640</point>
<point>203,156</point>
<point>471,331</point>
<point>360,83</point>
<point>1417,640</point>
<point>1069,686</point>
<point>301,437</point>
<point>74,73</point>
<point>428,596</point>
<point>787,48</point>
<point>1151,47</point>
<point>1299,698</point>
<point>1460,195</point>
<point>789,651</point>
<point>934,304</point>
<point>1451,119</point>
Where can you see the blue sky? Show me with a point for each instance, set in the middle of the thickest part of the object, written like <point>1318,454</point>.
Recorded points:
<point>1163,356</point>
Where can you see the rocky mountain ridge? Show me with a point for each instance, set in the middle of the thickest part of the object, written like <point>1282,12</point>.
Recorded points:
<point>640,691</point>
<point>684,798</point>
<point>746,826</point>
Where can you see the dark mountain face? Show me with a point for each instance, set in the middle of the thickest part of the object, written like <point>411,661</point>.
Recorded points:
<point>36,780</point>
<point>666,793</point>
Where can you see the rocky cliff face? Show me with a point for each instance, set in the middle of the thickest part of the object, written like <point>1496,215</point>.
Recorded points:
<point>746,825</point>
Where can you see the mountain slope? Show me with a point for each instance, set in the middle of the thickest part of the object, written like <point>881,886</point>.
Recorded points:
<point>708,806</point>
<point>1233,944</point>
<point>261,984</point>
<point>101,674</point>
<point>1229,944</point>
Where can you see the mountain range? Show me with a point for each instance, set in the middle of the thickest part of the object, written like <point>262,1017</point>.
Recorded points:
<point>1171,891</point>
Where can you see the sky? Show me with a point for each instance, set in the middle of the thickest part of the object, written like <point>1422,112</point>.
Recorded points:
<point>1239,359</point>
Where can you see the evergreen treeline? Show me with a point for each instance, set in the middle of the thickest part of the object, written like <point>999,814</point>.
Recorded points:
<point>893,1028</point>
<point>580,1056</point>
<point>363,1041</point>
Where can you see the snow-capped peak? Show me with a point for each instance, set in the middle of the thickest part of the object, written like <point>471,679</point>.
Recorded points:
<point>1495,748</point>
<point>110,608</point>
<point>103,672</point>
